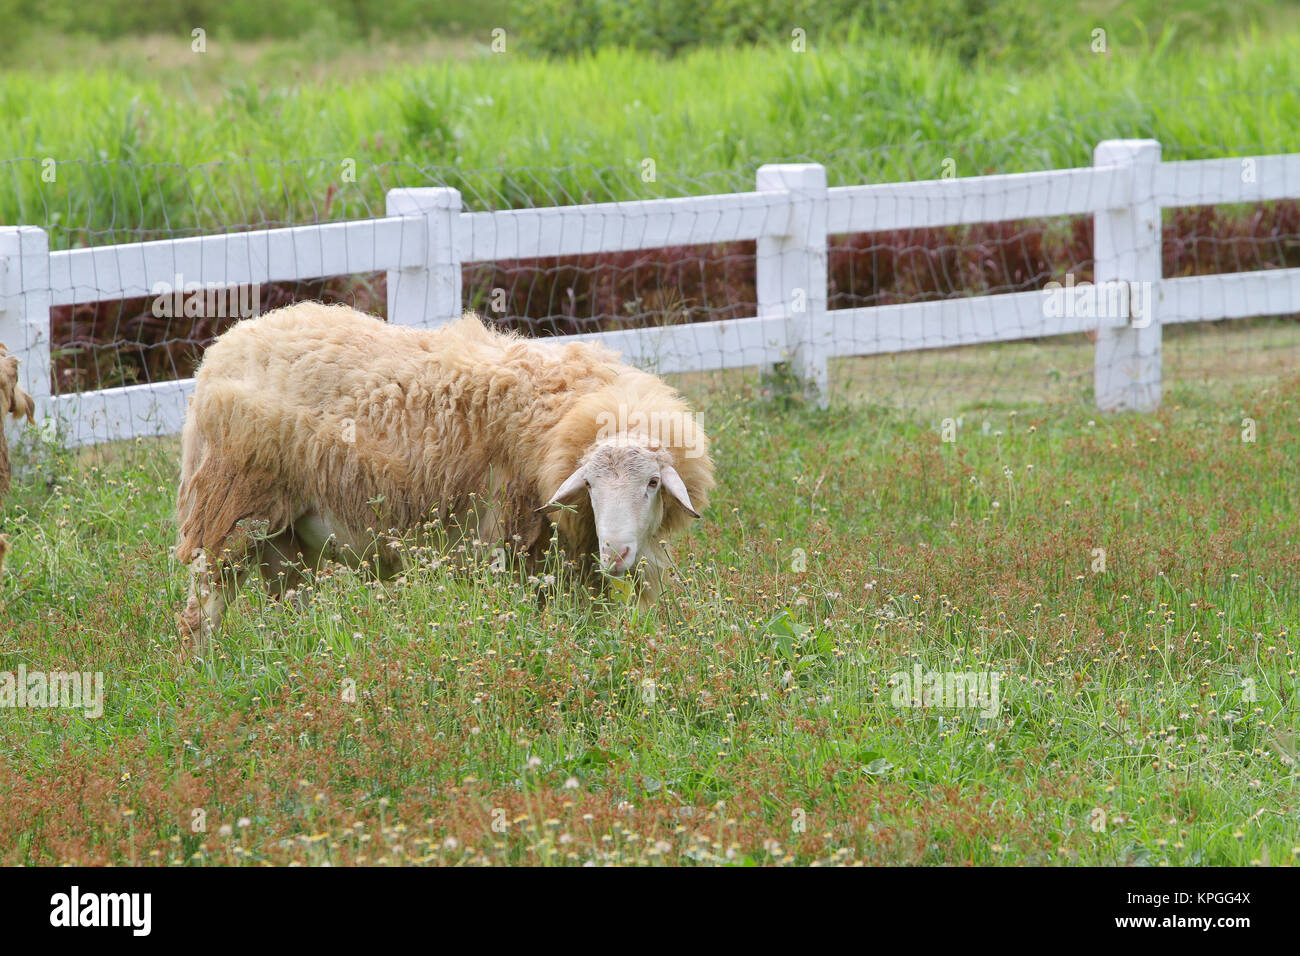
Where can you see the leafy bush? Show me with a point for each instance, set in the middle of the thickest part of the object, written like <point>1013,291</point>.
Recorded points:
<point>254,19</point>
<point>1030,31</point>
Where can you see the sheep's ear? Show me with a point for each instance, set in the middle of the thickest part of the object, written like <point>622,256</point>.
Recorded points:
<point>573,486</point>
<point>677,488</point>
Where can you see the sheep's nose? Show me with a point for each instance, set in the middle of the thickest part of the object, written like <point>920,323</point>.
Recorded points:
<point>615,561</point>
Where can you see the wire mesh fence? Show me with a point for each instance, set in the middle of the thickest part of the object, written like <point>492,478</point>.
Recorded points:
<point>160,337</point>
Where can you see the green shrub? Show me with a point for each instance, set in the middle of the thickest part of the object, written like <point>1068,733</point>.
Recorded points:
<point>252,19</point>
<point>1027,30</point>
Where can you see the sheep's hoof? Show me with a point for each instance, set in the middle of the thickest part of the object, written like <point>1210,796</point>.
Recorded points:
<point>194,630</point>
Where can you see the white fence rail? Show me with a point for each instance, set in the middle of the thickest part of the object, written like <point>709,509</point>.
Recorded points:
<point>426,238</point>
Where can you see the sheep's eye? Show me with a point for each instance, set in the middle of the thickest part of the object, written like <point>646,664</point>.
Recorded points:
<point>654,483</point>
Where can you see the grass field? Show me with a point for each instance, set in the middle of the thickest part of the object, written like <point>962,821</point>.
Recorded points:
<point>1147,711</point>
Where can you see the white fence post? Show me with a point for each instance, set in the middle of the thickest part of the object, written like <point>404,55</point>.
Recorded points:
<point>1126,248</point>
<point>428,295</point>
<point>791,271</point>
<point>25,309</point>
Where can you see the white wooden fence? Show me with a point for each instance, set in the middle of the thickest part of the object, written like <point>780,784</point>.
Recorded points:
<point>426,237</point>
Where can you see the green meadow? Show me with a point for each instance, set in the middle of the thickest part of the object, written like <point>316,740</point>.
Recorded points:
<point>1124,586</point>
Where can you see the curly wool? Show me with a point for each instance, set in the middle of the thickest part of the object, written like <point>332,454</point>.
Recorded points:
<point>316,407</point>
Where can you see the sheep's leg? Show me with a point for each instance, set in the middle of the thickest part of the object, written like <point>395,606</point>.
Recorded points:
<point>283,559</point>
<point>213,584</point>
<point>653,571</point>
<point>280,560</point>
<point>210,593</point>
<point>649,586</point>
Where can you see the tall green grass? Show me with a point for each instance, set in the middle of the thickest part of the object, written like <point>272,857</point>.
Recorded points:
<point>164,154</point>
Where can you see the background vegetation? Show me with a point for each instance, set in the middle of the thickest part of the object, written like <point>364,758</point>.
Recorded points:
<point>983,31</point>
<point>249,19</point>
<point>251,133</point>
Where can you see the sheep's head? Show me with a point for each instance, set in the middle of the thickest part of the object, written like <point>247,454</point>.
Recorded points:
<point>630,481</point>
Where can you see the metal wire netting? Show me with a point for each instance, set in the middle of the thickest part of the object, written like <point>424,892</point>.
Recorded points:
<point>111,343</point>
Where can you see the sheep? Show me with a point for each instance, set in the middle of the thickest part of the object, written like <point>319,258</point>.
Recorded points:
<point>316,423</point>
<point>16,402</point>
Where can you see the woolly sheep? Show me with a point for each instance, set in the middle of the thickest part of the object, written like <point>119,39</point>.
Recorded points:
<point>318,423</point>
<point>16,402</point>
